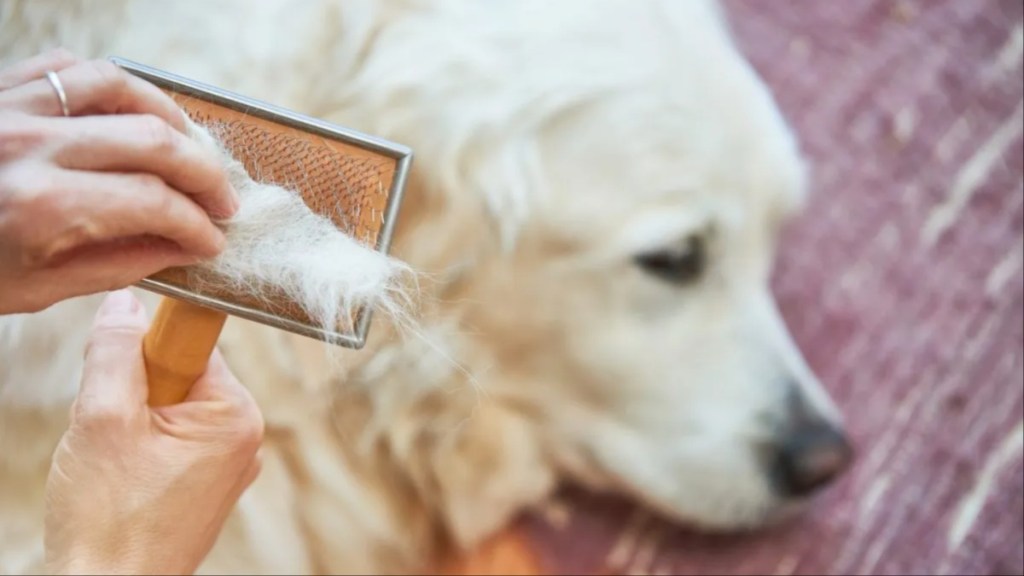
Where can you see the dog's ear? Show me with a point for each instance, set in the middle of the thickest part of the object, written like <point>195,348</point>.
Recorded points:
<point>487,472</point>
<point>457,446</point>
<point>473,462</point>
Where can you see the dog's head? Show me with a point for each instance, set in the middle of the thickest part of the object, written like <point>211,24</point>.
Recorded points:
<point>633,324</point>
<point>635,319</point>
<point>624,325</point>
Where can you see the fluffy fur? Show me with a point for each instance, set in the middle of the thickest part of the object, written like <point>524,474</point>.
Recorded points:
<point>276,245</point>
<point>555,143</point>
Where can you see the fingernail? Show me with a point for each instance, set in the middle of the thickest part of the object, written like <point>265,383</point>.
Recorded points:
<point>120,302</point>
<point>188,260</point>
<point>236,200</point>
<point>222,241</point>
<point>219,243</point>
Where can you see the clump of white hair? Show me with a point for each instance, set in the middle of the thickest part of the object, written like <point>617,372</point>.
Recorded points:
<point>276,245</point>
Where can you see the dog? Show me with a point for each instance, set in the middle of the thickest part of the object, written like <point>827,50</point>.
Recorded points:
<point>595,205</point>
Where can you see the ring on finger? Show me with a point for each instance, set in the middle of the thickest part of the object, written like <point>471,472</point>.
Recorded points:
<point>59,89</point>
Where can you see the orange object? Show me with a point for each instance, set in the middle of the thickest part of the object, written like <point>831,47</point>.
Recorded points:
<point>177,348</point>
<point>506,553</point>
<point>353,179</point>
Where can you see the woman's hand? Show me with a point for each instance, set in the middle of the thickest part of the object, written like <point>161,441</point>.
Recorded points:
<point>105,197</point>
<point>140,490</point>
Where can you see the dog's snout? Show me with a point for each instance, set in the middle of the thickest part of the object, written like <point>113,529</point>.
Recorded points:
<point>810,457</point>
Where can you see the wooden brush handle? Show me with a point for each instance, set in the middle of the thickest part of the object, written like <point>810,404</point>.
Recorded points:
<point>177,348</point>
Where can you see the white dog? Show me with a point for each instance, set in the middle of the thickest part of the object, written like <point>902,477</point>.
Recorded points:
<point>595,200</point>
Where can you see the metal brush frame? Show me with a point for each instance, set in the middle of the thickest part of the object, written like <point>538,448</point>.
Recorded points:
<point>401,154</point>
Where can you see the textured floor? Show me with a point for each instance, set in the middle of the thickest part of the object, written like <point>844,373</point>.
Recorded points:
<point>903,284</point>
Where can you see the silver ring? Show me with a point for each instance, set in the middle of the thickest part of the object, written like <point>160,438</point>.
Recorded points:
<point>59,89</point>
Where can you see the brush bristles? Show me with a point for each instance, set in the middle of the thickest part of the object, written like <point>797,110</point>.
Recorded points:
<point>276,245</point>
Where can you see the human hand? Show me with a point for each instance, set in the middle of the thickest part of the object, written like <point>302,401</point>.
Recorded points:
<point>141,490</point>
<point>105,197</point>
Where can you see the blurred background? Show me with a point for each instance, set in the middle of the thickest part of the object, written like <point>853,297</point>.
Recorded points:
<point>902,283</point>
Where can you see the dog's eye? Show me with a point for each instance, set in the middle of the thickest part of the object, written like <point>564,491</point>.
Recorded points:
<point>681,264</point>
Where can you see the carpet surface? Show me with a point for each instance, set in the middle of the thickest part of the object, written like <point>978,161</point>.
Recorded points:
<point>902,282</point>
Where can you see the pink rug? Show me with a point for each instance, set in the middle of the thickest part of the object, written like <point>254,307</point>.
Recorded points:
<point>902,283</point>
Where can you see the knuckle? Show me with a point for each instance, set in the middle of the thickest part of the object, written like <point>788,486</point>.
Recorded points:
<point>110,332</point>
<point>168,205</point>
<point>27,199</point>
<point>36,253</point>
<point>94,414</point>
<point>110,77</point>
<point>151,185</point>
<point>74,233</point>
<point>61,54</point>
<point>159,135</point>
<point>19,135</point>
<point>95,339</point>
<point>249,431</point>
<point>34,248</point>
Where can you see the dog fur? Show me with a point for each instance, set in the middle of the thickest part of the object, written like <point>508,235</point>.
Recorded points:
<point>555,143</point>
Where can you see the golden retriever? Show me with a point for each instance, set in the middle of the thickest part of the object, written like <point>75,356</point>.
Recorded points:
<point>595,204</point>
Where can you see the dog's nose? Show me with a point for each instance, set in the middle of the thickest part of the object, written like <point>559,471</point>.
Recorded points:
<point>810,457</point>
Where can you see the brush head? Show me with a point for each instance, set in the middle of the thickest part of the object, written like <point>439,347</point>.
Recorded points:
<point>351,178</point>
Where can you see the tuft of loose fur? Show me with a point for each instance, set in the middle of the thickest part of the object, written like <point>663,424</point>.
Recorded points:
<point>276,245</point>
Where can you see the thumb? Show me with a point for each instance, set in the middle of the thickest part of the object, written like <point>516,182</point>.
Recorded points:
<point>114,373</point>
<point>219,383</point>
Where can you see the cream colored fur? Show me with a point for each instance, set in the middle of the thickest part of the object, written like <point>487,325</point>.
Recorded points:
<point>554,142</point>
<point>277,248</point>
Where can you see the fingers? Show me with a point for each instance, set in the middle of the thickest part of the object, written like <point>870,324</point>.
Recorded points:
<point>36,67</point>
<point>147,144</point>
<point>101,267</point>
<point>82,208</point>
<point>219,383</point>
<point>95,87</point>
<point>238,411</point>
<point>114,374</point>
